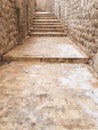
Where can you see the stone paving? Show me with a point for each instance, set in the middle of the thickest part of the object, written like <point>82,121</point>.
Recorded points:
<point>43,96</point>
<point>48,95</point>
<point>46,47</point>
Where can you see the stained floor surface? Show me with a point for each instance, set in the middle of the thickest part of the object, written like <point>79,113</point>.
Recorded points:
<point>43,96</point>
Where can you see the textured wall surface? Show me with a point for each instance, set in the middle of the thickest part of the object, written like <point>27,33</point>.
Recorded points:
<point>15,19</point>
<point>44,5</point>
<point>80,20</point>
<point>8,34</point>
<point>49,6</point>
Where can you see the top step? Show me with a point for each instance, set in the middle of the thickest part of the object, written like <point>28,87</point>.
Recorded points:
<point>43,14</point>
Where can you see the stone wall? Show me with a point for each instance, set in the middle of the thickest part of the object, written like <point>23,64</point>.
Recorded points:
<point>80,20</point>
<point>49,6</point>
<point>25,9</point>
<point>44,5</point>
<point>15,19</point>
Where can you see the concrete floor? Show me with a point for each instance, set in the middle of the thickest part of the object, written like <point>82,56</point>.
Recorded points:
<point>47,96</point>
<point>43,96</point>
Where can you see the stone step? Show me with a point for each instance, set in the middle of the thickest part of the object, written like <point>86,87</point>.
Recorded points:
<point>44,17</point>
<point>45,23</point>
<point>46,20</point>
<point>47,49</point>
<point>46,29</point>
<point>49,34</point>
<point>47,26</point>
<point>40,22</point>
<point>44,14</point>
<point>47,59</point>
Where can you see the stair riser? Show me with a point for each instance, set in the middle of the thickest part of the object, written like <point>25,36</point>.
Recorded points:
<point>46,22</point>
<point>47,17</point>
<point>49,35</point>
<point>44,18</point>
<point>48,60</point>
<point>54,30</point>
<point>44,15</point>
<point>47,26</point>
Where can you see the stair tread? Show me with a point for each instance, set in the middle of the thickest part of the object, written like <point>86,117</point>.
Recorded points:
<point>45,17</point>
<point>46,28</point>
<point>45,24</point>
<point>43,13</point>
<point>53,22</point>
<point>49,29</point>
<point>48,33</point>
<point>56,48</point>
<point>46,20</point>
<point>51,25</point>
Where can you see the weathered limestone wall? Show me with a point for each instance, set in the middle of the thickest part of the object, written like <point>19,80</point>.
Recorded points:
<point>15,20</point>
<point>80,19</point>
<point>44,5</point>
<point>8,33</point>
<point>49,6</point>
<point>25,9</point>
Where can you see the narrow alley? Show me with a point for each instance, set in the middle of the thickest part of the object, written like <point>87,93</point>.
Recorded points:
<point>48,72</point>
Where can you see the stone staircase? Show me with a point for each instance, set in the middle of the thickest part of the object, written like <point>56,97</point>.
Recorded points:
<point>48,43</point>
<point>46,83</point>
<point>46,24</point>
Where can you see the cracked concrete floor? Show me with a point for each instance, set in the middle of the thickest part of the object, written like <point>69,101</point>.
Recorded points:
<point>43,96</point>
